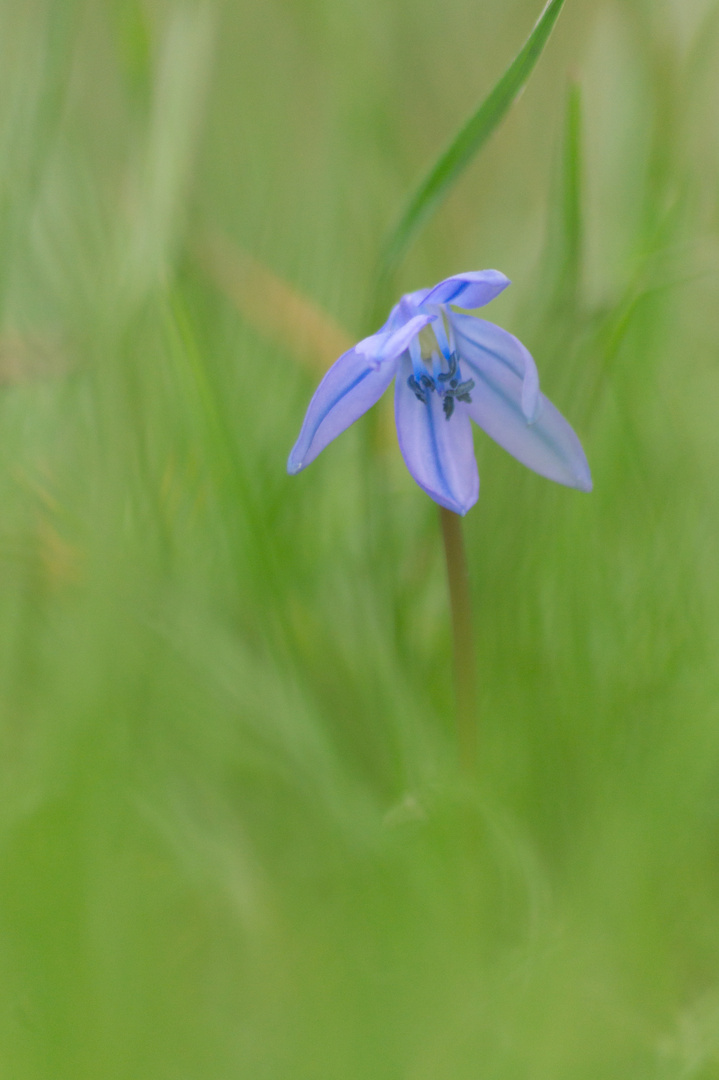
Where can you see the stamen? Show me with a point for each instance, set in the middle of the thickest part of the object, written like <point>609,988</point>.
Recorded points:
<point>415,388</point>
<point>449,375</point>
<point>446,383</point>
<point>452,345</point>
<point>440,332</point>
<point>456,391</point>
<point>415,353</point>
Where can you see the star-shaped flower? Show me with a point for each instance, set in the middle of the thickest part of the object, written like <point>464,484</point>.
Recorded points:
<point>461,368</point>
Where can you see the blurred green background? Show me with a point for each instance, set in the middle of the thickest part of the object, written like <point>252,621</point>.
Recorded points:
<point>234,841</point>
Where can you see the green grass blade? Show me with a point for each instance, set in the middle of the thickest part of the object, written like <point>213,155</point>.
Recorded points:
<point>468,141</point>
<point>572,194</point>
<point>560,267</point>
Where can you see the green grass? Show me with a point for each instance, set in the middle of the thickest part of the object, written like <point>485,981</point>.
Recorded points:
<point>233,838</point>
<point>467,143</point>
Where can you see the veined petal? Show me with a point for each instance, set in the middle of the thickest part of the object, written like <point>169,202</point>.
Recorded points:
<point>351,386</point>
<point>471,290</point>
<point>439,453</point>
<point>548,445</point>
<point>476,337</point>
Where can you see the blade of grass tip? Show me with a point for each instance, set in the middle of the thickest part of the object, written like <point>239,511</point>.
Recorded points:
<point>468,141</point>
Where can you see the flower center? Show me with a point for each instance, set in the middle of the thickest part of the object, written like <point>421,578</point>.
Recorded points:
<point>447,384</point>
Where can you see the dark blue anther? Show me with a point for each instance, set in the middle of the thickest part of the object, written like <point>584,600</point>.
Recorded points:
<point>456,391</point>
<point>448,375</point>
<point>416,389</point>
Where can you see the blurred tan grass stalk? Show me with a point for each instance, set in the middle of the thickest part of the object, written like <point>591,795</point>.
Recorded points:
<point>271,306</point>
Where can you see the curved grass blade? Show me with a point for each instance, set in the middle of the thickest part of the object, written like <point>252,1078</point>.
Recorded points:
<point>468,141</point>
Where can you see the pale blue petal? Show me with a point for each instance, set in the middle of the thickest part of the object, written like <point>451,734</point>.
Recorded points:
<point>401,313</point>
<point>351,386</point>
<point>471,290</point>
<point>476,337</point>
<point>389,344</point>
<point>547,444</point>
<point>439,453</point>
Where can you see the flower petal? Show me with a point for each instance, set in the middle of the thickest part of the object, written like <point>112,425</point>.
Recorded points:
<point>474,334</point>
<point>547,444</point>
<point>389,344</point>
<point>439,453</point>
<point>351,386</point>
<point>471,290</point>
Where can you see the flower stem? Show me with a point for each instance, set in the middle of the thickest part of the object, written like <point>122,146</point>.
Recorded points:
<point>465,683</point>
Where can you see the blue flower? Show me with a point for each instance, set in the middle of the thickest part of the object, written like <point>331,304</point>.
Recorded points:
<point>450,368</point>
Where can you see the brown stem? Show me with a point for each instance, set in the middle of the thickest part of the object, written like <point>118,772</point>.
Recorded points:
<point>465,683</point>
